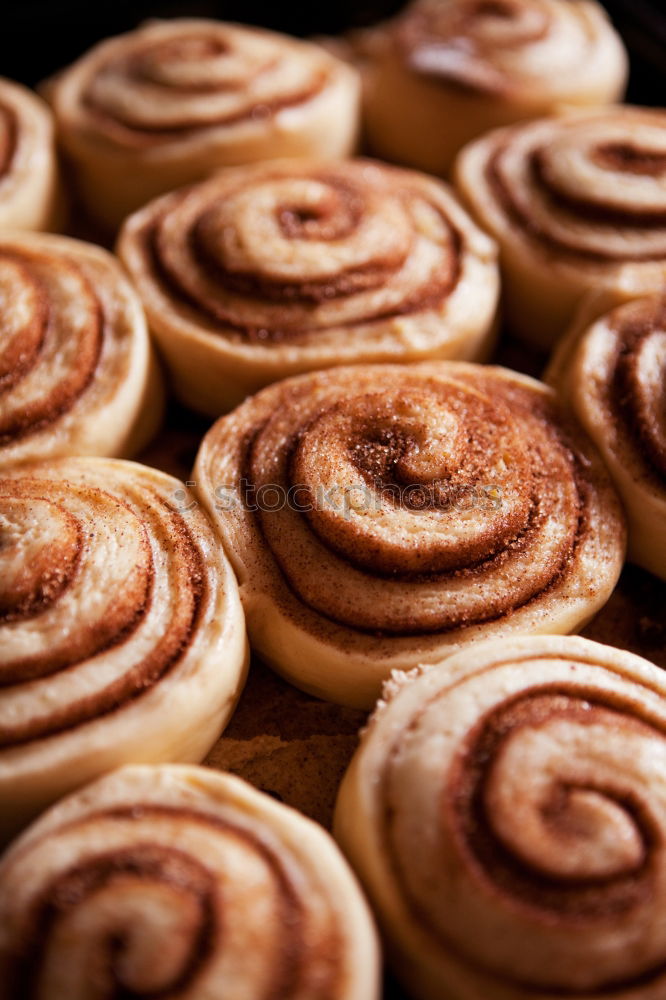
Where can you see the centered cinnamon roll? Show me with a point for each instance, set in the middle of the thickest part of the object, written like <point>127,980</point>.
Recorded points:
<point>445,71</point>
<point>181,882</point>
<point>169,103</point>
<point>121,632</point>
<point>576,203</point>
<point>612,373</point>
<point>382,516</point>
<point>30,193</point>
<point>78,374</point>
<point>275,269</point>
<point>506,812</point>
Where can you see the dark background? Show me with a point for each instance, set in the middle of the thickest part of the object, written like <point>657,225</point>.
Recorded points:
<point>39,36</point>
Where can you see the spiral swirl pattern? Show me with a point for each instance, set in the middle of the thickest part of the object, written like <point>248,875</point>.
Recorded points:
<point>176,99</point>
<point>612,372</point>
<point>270,270</point>
<point>576,203</point>
<point>389,515</point>
<point>77,372</point>
<point>506,812</point>
<point>29,186</point>
<point>166,881</point>
<point>507,47</point>
<point>121,633</point>
<point>479,64</point>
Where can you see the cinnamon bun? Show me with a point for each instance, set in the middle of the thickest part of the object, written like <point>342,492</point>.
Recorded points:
<point>177,881</point>
<point>270,270</point>
<point>382,516</point>
<point>78,375</point>
<point>612,374</point>
<point>506,813</point>
<point>168,103</point>
<point>122,636</point>
<point>576,203</point>
<point>445,71</point>
<point>30,192</point>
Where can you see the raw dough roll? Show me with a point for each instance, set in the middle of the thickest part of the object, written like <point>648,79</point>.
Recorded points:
<point>181,882</point>
<point>506,812</point>
<point>275,269</point>
<point>121,631</point>
<point>612,374</point>
<point>445,71</point>
<point>382,516</point>
<point>168,103</point>
<point>576,203</point>
<point>30,193</point>
<point>78,375</point>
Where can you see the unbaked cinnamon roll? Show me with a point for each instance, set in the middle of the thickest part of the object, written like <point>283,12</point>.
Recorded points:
<point>612,375</point>
<point>30,193</point>
<point>121,631</point>
<point>506,813</point>
<point>576,203</point>
<point>181,882</point>
<point>383,516</point>
<point>167,104</point>
<point>267,271</point>
<point>78,375</point>
<point>446,71</point>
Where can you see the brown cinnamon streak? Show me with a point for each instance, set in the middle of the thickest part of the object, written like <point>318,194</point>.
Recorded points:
<point>576,900</point>
<point>626,393</point>
<point>149,861</point>
<point>139,678</point>
<point>282,328</point>
<point>125,131</point>
<point>44,410</point>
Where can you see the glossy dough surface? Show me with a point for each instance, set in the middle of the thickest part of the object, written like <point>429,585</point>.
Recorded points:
<point>182,882</point>
<point>121,632</point>
<point>506,813</point>
<point>382,516</point>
